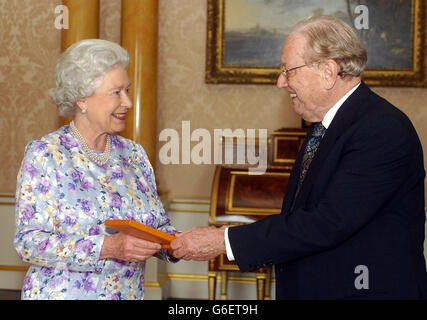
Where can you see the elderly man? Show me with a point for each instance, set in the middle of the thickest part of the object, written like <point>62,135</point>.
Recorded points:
<point>352,221</point>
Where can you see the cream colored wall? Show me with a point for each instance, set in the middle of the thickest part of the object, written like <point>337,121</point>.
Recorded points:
<point>29,45</point>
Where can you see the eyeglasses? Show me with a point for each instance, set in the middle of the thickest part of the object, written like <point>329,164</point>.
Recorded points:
<point>285,71</point>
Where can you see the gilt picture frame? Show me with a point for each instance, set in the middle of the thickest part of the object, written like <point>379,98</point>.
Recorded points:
<point>244,38</point>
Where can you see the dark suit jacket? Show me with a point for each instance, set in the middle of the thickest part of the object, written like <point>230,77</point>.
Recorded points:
<point>361,204</point>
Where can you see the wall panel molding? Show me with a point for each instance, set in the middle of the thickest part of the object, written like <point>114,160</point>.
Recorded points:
<point>15,268</point>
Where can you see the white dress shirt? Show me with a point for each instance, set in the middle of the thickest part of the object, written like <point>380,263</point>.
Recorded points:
<point>327,119</point>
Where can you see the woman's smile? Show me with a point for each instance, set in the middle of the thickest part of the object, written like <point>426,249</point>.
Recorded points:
<point>120,116</point>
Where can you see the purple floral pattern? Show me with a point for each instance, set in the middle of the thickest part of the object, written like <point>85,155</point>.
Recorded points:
<point>62,202</point>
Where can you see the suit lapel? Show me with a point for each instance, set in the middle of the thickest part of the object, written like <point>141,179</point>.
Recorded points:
<point>346,115</point>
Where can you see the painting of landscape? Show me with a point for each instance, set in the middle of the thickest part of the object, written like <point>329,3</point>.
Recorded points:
<point>254,30</point>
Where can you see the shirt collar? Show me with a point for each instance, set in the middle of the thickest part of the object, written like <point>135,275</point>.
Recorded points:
<point>329,116</point>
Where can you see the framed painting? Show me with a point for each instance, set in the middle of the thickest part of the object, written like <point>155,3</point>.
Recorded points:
<point>244,38</point>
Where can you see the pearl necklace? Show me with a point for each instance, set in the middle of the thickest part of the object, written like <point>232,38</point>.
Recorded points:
<point>99,159</point>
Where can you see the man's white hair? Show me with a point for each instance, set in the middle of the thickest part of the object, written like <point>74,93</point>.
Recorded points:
<point>330,38</point>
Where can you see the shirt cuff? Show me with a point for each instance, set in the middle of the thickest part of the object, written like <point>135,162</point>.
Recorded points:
<point>230,255</point>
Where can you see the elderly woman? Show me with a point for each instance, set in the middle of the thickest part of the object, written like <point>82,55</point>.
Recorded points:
<point>74,179</point>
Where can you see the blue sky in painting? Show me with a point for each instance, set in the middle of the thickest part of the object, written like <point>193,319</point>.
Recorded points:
<point>279,15</point>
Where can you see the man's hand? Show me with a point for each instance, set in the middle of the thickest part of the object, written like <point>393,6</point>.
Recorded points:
<point>200,244</point>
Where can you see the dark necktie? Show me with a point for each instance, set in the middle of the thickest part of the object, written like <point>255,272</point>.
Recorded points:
<point>310,149</point>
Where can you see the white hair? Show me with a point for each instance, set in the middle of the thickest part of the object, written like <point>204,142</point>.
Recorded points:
<point>81,69</point>
<point>330,38</point>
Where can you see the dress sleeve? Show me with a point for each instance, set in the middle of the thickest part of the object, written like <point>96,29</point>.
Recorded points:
<point>39,239</point>
<point>163,220</point>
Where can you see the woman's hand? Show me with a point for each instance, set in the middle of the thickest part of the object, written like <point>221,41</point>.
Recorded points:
<point>127,248</point>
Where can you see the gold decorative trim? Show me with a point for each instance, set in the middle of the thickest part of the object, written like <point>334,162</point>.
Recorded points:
<point>152,284</point>
<point>188,210</point>
<point>190,202</point>
<point>290,138</point>
<point>281,167</point>
<point>14,268</point>
<point>276,147</point>
<point>158,284</point>
<point>187,277</point>
<point>171,208</point>
<point>7,195</point>
<point>202,277</point>
<point>214,193</point>
<point>225,223</point>
<point>289,133</point>
<point>7,199</point>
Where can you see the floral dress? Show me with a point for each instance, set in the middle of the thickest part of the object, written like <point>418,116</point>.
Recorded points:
<point>62,202</point>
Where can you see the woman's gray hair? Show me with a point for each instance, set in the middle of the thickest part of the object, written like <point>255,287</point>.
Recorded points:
<point>330,38</point>
<point>80,71</point>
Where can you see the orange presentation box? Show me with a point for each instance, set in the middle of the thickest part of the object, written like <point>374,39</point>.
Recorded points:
<point>141,231</point>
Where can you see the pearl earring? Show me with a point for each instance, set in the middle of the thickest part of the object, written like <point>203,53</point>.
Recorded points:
<point>83,110</point>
